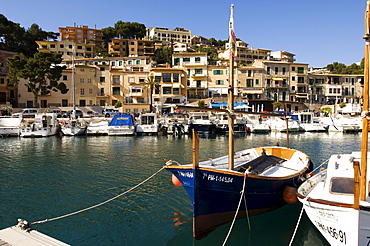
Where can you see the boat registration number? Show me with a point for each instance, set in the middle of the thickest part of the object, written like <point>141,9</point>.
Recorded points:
<point>217,178</point>
<point>333,232</point>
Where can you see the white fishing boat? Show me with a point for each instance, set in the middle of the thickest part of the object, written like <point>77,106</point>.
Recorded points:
<point>222,123</point>
<point>73,127</point>
<point>147,123</point>
<point>336,199</point>
<point>339,123</point>
<point>43,125</point>
<point>9,126</point>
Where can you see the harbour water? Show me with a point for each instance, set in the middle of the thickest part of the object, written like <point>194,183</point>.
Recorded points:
<point>45,178</point>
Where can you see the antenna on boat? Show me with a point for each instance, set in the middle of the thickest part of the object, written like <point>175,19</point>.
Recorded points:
<point>230,105</point>
<point>365,109</point>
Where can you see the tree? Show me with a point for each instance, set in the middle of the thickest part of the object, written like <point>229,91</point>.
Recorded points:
<point>130,29</point>
<point>276,105</point>
<point>340,68</point>
<point>42,71</point>
<point>342,104</point>
<point>163,55</point>
<point>151,84</point>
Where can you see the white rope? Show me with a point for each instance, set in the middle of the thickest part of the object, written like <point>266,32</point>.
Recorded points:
<point>237,211</point>
<point>97,205</point>
<point>296,227</point>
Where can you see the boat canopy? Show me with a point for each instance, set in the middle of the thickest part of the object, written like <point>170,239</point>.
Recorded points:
<point>122,120</point>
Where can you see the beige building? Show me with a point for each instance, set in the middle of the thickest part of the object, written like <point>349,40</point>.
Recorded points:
<point>196,67</point>
<point>119,47</point>
<point>68,49</point>
<point>166,35</point>
<point>245,55</point>
<point>82,34</point>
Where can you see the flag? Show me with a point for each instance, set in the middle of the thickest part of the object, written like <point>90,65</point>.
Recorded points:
<point>232,37</point>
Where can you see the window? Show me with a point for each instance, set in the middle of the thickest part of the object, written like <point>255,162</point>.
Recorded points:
<point>166,90</point>
<point>64,77</point>
<point>120,63</point>
<point>219,82</point>
<point>89,80</point>
<point>293,69</point>
<point>199,83</point>
<point>64,103</point>
<point>284,70</point>
<point>90,91</point>
<point>176,61</point>
<point>131,80</point>
<point>79,47</point>
<point>52,45</point>
<point>218,72</point>
<point>257,81</point>
<point>276,70</point>
<point>116,91</point>
<point>102,68</point>
<point>300,69</point>
<point>141,80</point>
<point>61,46</point>
<point>198,71</point>
<point>176,91</point>
<point>102,79</point>
<point>176,77</point>
<point>138,62</point>
<point>129,62</point>
<point>82,92</point>
<point>342,185</point>
<point>166,77</point>
<point>268,70</point>
<point>82,80</point>
<point>135,89</point>
<point>2,81</point>
<point>186,59</point>
<point>197,59</point>
<point>157,78</point>
<point>116,80</point>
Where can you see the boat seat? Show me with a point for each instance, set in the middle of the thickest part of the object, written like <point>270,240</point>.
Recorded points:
<point>260,164</point>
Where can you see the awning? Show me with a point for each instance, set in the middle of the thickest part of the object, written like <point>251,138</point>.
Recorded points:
<point>278,79</point>
<point>298,96</point>
<point>253,91</point>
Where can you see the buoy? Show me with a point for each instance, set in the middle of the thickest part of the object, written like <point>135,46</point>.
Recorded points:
<point>290,193</point>
<point>176,181</point>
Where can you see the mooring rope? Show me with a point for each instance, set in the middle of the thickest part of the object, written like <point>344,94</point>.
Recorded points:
<point>237,210</point>
<point>296,227</point>
<point>97,205</point>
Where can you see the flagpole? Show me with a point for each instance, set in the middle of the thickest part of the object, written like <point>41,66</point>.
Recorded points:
<point>231,89</point>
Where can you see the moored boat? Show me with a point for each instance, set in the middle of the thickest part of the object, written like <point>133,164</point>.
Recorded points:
<point>73,127</point>
<point>147,124</point>
<point>121,125</point>
<point>43,125</point>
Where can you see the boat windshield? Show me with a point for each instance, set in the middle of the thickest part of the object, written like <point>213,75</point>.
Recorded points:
<point>342,185</point>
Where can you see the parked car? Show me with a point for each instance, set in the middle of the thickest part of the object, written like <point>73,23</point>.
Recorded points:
<point>108,112</point>
<point>58,112</point>
<point>68,114</point>
<point>26,112</point>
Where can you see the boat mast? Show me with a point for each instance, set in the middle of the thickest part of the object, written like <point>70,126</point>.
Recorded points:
<point>365,109</point>
<point>73,81</point>
<point>230,104</point>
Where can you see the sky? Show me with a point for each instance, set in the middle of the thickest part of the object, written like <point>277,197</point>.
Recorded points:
<point>318,32</point>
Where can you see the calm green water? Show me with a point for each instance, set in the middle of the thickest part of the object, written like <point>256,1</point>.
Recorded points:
<point>48,177</point>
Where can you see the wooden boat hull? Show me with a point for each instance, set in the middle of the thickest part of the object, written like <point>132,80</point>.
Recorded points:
<point>215,195</point>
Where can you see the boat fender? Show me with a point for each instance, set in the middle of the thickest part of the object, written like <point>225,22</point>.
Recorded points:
<point>290,193</point>
<point>176,181</point>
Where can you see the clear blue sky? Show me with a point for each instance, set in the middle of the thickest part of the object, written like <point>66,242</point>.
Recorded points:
<point>318,32</point>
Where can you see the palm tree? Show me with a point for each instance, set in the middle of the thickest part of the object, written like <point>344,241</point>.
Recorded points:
<point>150,84</point>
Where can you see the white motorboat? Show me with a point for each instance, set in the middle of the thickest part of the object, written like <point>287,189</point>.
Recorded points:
<point>147,123</point>
<point>278,124</point>
<point>337,199</point>
<point>121,125</point>
<point>73,127</point>
<point>307,123</point>
<point>201,122</point>
<point>339,123</point>
<point>9,126</point>
<point>43,125</point>
<point>256,124</point>
<point>98,126</point>
<point>222,120</point>
<point>174,123</point>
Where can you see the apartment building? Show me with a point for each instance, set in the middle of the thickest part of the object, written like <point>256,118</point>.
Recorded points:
<point>171,86</point>
<point>81,34</point>
<point>196,67</point>
<point>245,55</point>
<point>119,47</point>
<point>166,35</point>
<point>68,49</point>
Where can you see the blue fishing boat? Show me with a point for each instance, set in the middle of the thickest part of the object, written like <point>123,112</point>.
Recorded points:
<point>243,183</point>
<point>121,124</point>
